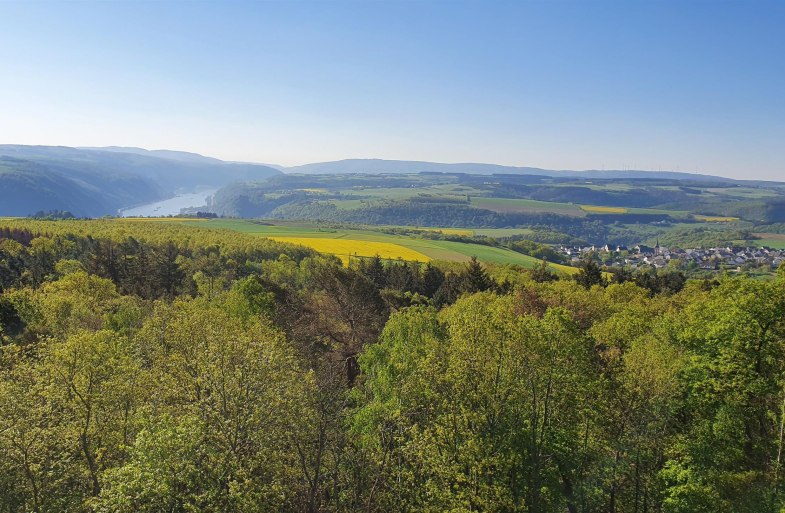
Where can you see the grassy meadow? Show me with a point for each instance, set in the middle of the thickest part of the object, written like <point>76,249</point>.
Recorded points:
<point>593,209</point>
<point>526,205</point>
<point>772,240</point>
<point>348,242</point>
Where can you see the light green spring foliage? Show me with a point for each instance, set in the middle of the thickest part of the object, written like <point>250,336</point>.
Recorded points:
<point>198,405</point>
<point>150,231</point>
<point>550,398</point>
<point>231,396</point>
<point>733,386</point>
<point>526,403</point>
<point>474,399</point>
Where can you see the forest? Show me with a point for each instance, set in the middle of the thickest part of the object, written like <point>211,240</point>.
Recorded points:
<point>152,367</point>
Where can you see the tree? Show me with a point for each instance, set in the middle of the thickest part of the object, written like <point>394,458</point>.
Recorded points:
<point>432,279</point>
<point>640,366</point>
<point>449,291</point>
<point>589,273</point>
<point>478,409</point>
<point>163,472</point>
<point>166,269</point>
<point>348,313</point>
<point>209,271</point>
<point>10,322</point>
<point>403,276</point>
<point>475,277</point>
<point>257,300</point>
<point>731,455</point>
<point>233,407</point>
<point>76,302</point>
<point>542,274</point>
<point>11,263</point>
<point>42,255</point>
<point>374,270</point>
<point>37,467</point>
<point>94,381</point>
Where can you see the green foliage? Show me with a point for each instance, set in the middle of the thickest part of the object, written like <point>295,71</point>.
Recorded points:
<point>589,273</point>
<point>734,394</point>
<point>468,404</point>
<point>256,301</point>
<point>52,215</point>
<point>233,404</point>
<point>539,251</point>
<point>236,378</point>
<point>163,472</point>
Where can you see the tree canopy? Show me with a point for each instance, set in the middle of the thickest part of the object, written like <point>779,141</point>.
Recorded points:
<point>143,372</point>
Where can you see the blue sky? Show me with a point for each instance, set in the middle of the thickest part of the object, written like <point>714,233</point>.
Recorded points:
<point>687,85</point>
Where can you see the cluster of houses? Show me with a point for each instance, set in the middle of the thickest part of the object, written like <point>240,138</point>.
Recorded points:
<point>708,259</point>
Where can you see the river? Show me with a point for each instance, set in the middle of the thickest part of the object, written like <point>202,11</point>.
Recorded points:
<point>171,206</point>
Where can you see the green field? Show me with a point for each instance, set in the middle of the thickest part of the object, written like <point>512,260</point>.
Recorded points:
<point>613,187</point>
<point>743,192</point>
<point>454,191</point>
<point>527,205</point>
<point>280,228</point>
<point>358,197</point>
<point>433,249</point>
<point>534,206</point>
<point>772,240</point>
<point>676,214</point>
<point>502,232</point>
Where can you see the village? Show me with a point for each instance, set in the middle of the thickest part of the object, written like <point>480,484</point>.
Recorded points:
<point>727,258</point>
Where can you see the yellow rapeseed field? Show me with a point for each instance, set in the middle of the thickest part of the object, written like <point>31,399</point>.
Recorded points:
<point>603,210</point>
<point>347,248</point>
<point>715,219</point>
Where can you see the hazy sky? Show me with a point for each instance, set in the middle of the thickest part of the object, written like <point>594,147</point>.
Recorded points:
<point>685,85</point>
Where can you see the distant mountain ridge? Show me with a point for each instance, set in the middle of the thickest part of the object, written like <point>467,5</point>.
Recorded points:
<point>381,166</point>
<point>95,181</point>
<point>100,181</point>
<point>180,156</point>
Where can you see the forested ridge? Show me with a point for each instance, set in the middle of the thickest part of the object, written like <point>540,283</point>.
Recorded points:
<point>166,368</point>
<point>99,181</point>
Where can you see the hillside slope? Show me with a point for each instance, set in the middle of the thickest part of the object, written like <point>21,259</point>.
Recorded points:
<point>94,182</point>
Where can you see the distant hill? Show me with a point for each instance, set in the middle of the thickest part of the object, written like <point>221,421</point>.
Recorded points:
<point>556,210</point>
<point>27,186</point>
<point>180,156</point>
<point>99,181</point>
<point>374,166</point>
<point>91,181</point>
